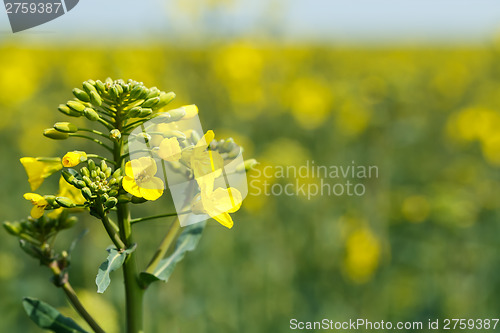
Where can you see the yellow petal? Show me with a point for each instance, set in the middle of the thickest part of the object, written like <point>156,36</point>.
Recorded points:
<point>131,187</point>
<point>224,219</point>
<point>33,197</point>
<point>191,111</point>
<point>225,200</point>
<point>170,150</point>
<point>152,189</point>
<point>37,211</point>
<point>38,169</point>
<point>128,169</point>
<point>69,191</point>
<point>205,162</point>
<point>206,139</point>
<point>55,213</point>
<point>148,165</point>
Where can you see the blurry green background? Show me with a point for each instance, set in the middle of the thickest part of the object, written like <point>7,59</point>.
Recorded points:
<point>421,243</point>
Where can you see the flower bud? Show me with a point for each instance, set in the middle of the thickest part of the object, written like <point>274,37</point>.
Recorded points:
<point>87,193</point>
<point>227,146</point>
<point>114,92</point>
<point>145,112</point>
<point>174,134</point>
<point>65,127</point>
<point>13,228</point>
<point>165,98</point>
<point>144,93</point>
<point>91,165</point>
<point>101,88</point>
<point>87,180</point>
<point>50,199</point>
<point>73,158</point>
<point>81,95</point>
<point>149,103</point>
<point>115,134</point>
<point>67,111</point>
<point>88,87</point>
<point>153,92</point>
<point>85,172</point>
<point>95,98</point>
<point>123,199</point>
<point>111,202</point>
<point>69,176</point>
<point>65,202</point>
<point>177,114</point>
<point>119,88</point>
<point>91,114</point>
<point>76,106</point>
<point>135,92</point>
<point>113,193</point>
<point>134,112</point>
<point>54,134</point>
<point>80,184</point>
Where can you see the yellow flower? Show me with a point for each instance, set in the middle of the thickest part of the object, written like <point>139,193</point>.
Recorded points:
<point>205,161</point>
<point>39,168</point>
<point>39,204</point>
<point>170,150</point>
<point>140,179</point>
<point>73,158</point>
<point>219,203</point>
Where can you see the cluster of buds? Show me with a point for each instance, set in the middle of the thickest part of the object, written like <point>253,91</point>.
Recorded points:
<point>99,186</point>
<point>104,101</point>
<point>35,235</point>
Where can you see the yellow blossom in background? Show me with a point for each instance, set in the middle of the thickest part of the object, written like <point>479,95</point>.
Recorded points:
<point>39,168</point>
<point>362,255</point>
<point>73,158</point>
<point>140,179</point>
<point>169,150</point>
<point>39,204</point>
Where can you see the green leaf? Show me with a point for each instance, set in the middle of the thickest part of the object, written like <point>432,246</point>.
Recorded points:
<point>45,316</point>
<point>114,261</point>
<point>187,241</point>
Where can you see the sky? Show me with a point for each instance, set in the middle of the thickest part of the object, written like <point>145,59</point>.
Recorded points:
<point>363,21</point>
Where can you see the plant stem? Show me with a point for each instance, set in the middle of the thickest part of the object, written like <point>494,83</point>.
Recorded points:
<point>164,246</point>
<point>73,298</point>
<point>133,291</point>
<point>142,219</point>
<point>99,142</point>
<point>120,245</point>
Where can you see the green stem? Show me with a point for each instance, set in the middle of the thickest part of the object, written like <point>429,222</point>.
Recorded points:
<point>73,298</point>
<point>99,142</point>
<point>164,246</point>
<point>101,134</point>
<point>133,291</point>
<point>120,245</point>
<point>142,219</point>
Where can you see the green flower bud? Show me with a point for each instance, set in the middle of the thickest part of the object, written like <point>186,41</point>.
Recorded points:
<point>117,173</point>
<point>50,199</point>
<point>65,127</point>
<point>151,102</point>
<point>134,112</point>
<point>113,193</point>
<point>54,134</point>
<point>227,146</point>
<point>85,172</point>
<point>13,228</point>
<point>69,176</point>
<point>87,193</point>
<point>176,114</point>
<point>81,95</point>
<point>111,202</point>
<point>101,88</point>
<point>145,112</point>
<point>108,80</point>
<point>95,98</point>
<point>165,98</point>
<point>104,166</point>
<point>123,199</point>
<point>88,87</point>
<point>137,200</point>
<point>87,180</point>
<point>136,91</point>
<point>91,164</point>
<point>144,93</point>
<point>102,175</point>
<point>247,165</point>
<point>119,88</point>
<point>143,137</point>
<point>115,134</point>
<point>91,114</point>
<point>76,106</point>
<point>114,92</point>
<point>67,111</point>
<point>153,92</point>
<point>80,184</point>
<point>65,202</point>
